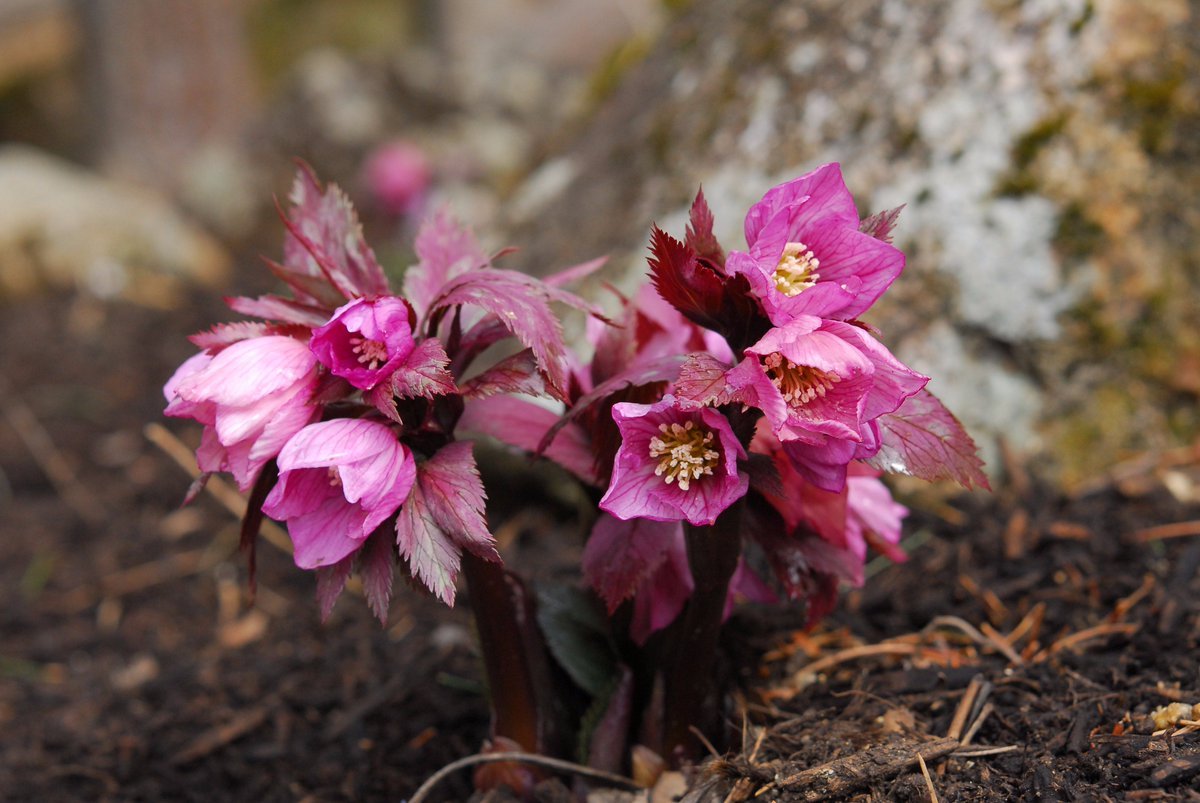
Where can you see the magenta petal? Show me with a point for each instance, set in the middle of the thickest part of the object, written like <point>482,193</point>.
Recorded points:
<point>639,487</point>
<point>328,534</point>
<point>821,461</point>
<point>343,478</point>
<point>819,195</point>
<point>366,340</point>
<point>893,381</point>
<point>856,262</point>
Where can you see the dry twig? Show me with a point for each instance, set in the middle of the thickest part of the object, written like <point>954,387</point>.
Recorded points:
<point>545,762</point>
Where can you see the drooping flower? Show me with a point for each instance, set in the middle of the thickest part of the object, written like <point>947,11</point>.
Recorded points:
<point>872,516</point>
<point>338,481</point>
<point>252,397</point>
<point>366,340</point>
<point>817,380</point>
<point>677,461</point>
<point>806,254</point>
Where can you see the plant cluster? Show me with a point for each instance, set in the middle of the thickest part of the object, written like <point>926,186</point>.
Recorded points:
<point>731,423</point>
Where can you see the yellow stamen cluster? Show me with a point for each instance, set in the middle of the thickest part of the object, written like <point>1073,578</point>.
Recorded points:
<point>797,270</point>
<point>799,384</point>
<point>684,453</point>
<point>371,353</point>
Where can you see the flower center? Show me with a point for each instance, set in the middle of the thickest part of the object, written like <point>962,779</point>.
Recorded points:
<point>371,353</point>
<point>684,453</point>
<point>799,384</point>
<point>797,270</point>
<point>335,479</point>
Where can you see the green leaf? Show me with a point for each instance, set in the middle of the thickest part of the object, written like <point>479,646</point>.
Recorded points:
<point>577,634</point>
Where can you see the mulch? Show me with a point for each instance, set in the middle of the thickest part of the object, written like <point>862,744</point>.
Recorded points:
<point>1019,654</point>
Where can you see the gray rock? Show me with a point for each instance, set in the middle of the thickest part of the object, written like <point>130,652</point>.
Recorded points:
<point>62,227</point>
<point>1047,152</point>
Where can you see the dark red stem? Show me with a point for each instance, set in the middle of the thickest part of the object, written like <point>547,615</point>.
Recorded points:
<point>514,655</point>
<point>690,659</point>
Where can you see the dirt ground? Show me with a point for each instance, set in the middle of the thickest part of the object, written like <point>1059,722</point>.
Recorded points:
<point>1037,629</point>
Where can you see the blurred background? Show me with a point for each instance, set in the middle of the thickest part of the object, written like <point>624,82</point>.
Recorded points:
<point>1048,152</point>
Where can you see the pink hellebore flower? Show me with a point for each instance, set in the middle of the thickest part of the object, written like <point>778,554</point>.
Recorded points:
<point>806,254</point>
<point>677,461</point>
<point>252,397</point>
<point>366,340</point>
<point>338,481</point>
<point>817,379</point>
<point>397,175</point>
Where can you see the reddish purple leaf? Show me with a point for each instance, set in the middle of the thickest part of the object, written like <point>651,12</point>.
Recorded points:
<point>621,555</point>
<point>515,374</point>
<point>442,516</point>
<point>274,308</point>
<point>704,294</point>
<point>523,424</point>
<point>331,582</point>
<point>702,379</point>
<point>376,562</point>
<point>662,369</point>
<point>445,250</point>
<point>521,303</point>
<point>700,237</point>
<point>432,556</point>
<point>880,224</point>
<point>326,239</point>
<point>224,334</point>
<point>924,439</point>
<point>692,288</point>
<point>424,373</point>
<point>575,273</point>
<point>608,743</point>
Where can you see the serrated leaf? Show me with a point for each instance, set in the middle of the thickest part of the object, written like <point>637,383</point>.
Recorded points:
<point>699,236</point>
<point>432,556</point>
<point>325,238</point>
<point>702,379</point>
<point>662,369</point>
<point>454,492</point>
<point>377,559</point>
<point>331,582</point>
<point>621,555</point>
<point>577,635</point>
<point>224,334</point>
<point>443,515</point>
<point>677,273</point>
<point>521,303</point>
<point>275,308</point>
<point>445,249</point>
<point>523,424</point>
<point>703,293</point>
<point>424,373</point>
<point>517,373</point>
<point>880,224</point>
<point>925,440</point>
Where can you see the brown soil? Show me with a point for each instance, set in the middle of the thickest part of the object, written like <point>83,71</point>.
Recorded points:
<point>131,670</point>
